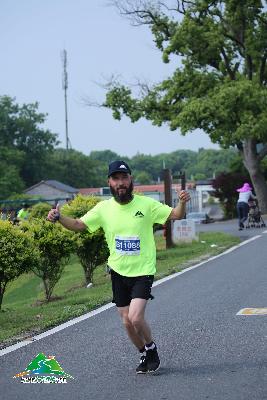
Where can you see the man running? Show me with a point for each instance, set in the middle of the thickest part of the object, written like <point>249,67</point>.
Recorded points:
<point>127,221</point>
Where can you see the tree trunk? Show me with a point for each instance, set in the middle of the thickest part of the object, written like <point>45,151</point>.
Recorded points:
<point>89,275</point>
<point>47,291</point>
<point>88,272</point>
<point>2,291</point>
<point>1,297</point>
<point>252,164</point>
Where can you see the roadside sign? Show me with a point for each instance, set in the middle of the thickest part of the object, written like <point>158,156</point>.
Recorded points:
<point>184,230</point>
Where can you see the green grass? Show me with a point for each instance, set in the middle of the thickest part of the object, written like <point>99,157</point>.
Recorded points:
<point>24,312</point>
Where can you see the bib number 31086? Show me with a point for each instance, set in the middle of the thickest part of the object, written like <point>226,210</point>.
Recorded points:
<point>129,246</point>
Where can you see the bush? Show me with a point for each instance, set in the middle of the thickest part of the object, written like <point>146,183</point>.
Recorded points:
<point>91,248</point>
<point>55,245</point>
<point>17,254</point>
<point>39,210</point>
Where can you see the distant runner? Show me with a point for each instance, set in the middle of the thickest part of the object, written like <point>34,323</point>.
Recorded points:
<point>23,213</point>
<point>127,221</point>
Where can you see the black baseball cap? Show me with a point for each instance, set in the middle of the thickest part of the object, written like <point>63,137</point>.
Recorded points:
<point>118,166</point>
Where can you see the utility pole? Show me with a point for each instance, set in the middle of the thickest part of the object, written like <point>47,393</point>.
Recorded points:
<point>168,200</point>
<point>181,175</point>
<point>65,87</point>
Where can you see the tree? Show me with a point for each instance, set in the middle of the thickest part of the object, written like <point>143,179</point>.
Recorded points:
<point>20,130</point>
<point>55,246</point>
<point>220,84</point>
<point>210,162</point>
<point>106,156</point>
<point>10,180</point>
<point>71,167</point>
<point>18,255</point>
<point>91,248</point>
<point>143,178</point>
<point>11,161</point>
<point>225,186</point>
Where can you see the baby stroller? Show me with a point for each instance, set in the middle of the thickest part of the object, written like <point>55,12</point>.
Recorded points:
<point>254,215</point>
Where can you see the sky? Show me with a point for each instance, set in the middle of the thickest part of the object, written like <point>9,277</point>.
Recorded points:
<point>99,43</point>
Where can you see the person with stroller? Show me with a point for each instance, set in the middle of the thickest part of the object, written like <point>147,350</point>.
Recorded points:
<point>245,194</point>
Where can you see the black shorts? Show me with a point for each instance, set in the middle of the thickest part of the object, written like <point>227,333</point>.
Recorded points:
<point>127,288</point>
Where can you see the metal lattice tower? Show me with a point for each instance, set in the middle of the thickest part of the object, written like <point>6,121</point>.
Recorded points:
<point>65,88</point>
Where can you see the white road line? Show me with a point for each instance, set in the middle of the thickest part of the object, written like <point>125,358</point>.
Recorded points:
<point>167,278</point>
<point>109,305</point>
<point>56,329</point>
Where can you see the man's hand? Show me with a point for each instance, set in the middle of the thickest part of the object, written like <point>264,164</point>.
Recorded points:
<point>54,214</point>
<point>179,211</point>
<point>72,224</point>
<point>184,196</point>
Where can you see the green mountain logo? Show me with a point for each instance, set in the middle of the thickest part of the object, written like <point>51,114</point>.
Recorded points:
<point>43,365</point>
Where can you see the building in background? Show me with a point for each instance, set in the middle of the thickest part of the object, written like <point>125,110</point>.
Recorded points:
<point>52,191</point>
<point>154,191</point>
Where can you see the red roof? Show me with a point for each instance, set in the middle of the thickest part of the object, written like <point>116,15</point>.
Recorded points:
<point>149,188</point>
<point>88,191</point>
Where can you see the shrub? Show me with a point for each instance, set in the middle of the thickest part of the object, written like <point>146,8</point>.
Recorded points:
<point>39,210</point>
<point>55,245</point>
<point>91,248</point>
<point>17,254</point>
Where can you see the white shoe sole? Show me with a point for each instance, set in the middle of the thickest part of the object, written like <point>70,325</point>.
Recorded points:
<point>153,370</point>
<point>148,371</point>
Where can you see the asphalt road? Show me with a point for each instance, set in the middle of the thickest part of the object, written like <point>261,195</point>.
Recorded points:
<point>207,351</point>
<point>230,227</point>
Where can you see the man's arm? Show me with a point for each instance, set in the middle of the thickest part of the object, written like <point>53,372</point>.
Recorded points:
<point>72,224</point>
<point>179,211</point>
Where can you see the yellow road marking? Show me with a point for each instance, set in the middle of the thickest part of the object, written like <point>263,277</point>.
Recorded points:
<point>253,311</point>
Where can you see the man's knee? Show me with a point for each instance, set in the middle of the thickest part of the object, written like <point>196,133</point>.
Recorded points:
<point>127,323</point>
<point>136,321</point>
<point>124,314</point>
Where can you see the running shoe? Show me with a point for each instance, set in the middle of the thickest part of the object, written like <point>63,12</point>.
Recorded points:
<point>142,367</point>
<point>152,359</point>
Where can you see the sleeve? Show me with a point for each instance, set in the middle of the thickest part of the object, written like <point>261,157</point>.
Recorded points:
<point>159,212</point>
<point>92,219</point>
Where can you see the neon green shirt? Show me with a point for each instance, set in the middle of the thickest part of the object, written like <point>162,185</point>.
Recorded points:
<point>129,232</point>
<point>23,214</point>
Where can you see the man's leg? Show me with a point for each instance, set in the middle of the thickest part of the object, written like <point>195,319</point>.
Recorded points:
<point>134,293</point>
<point>137,318</point>
<point>136,338</point>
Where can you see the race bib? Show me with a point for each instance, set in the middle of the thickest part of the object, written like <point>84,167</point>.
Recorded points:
<point>129,246</point>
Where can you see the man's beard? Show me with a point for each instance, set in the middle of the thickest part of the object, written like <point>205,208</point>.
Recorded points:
<point>123,197</point>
